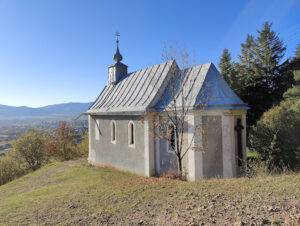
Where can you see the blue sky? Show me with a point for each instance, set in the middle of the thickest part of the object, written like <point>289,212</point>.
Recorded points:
<point>58,51</point>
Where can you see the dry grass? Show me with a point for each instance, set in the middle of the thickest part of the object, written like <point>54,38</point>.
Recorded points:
<point>75,193</point>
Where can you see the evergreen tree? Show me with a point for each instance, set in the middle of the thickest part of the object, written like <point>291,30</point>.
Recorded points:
<point>288,70</point>
<point>295,61</point>
<point>246,58</point>
<point>262,81</point>
<point>298,52</point>
<point>269,50</point>
<point>228,70</point>
<point>225,65</point>
<point>294,92</point>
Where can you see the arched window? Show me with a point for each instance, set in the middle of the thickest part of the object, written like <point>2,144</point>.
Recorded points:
<point>131,135</point>
<point>171,138</point>
<point>113,132</point>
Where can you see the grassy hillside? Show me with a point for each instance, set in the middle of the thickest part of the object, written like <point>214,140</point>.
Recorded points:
<point>74,193</point>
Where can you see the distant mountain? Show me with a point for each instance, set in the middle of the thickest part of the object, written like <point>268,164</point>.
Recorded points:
<point>10,114</point>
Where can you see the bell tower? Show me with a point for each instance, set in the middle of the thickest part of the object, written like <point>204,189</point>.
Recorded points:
<point>118,69</point>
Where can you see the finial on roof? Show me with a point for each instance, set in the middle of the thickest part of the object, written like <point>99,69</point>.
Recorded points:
<point>117,56</point>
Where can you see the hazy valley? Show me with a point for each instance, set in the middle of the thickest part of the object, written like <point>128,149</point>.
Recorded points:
<point>16,120</point>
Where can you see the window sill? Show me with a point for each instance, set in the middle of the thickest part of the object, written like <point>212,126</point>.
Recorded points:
<point>170,151</point>
<point>131,145</point>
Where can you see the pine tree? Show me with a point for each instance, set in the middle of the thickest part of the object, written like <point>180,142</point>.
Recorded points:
<point>225,65</point>
<point>269,50</point>
<point>298,52</point>
<point>262,80</point>
<point>295,61</point>
<point>247,58</point>
<point>228,70</point>
<point>294,92</point>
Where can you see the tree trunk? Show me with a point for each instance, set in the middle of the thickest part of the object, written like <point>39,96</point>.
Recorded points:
<point>179,161</point>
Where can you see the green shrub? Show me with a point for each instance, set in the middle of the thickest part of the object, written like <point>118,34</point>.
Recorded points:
<point>9,169</point>
<point>29,149</point>
<point>82,149</point>
<point>276,137</point>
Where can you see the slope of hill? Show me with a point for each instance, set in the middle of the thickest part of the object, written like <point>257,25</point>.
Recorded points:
<point>73,193</point>
<point>51,112</point>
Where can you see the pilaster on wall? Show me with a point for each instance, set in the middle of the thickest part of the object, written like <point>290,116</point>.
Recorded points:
<point>244,140</point>
<point>157,150</point>
<point>90,137</point>
<point>149,146</point>
<point>228,145</point>
<point>195,165</point>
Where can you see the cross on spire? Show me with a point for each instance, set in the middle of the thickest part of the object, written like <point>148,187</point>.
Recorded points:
<point>117,56</point>
<point>117,34</point>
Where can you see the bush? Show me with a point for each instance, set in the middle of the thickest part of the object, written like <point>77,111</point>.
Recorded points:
<point>83,147</point>
<point>276,136</point>
<point>9,169</point>
<point>29,149</point>
<point>60,145</point>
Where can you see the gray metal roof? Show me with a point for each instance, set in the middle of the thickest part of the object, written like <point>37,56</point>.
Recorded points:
<point>204,88</point>
<point>134,92</point>
<point>220,95</point>
<point>146,90</point>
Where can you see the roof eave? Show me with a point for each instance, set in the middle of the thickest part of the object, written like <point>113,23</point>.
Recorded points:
<point>208,107</point>
<point>128,113</point>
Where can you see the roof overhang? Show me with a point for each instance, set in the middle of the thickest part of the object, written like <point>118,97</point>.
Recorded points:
<point>221,107</point>
<point>128,113</point>
<point>205,107</point>
<point>144,112</point>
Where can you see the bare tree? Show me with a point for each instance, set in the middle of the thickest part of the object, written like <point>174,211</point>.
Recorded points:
<point>177,101</point>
